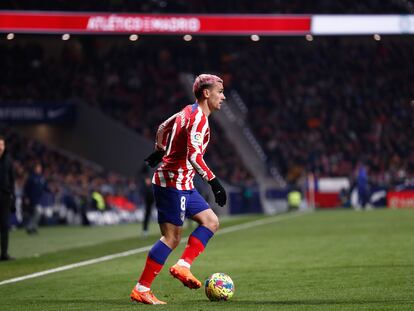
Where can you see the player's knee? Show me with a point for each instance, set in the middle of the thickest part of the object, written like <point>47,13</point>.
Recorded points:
<point>213,223</point>
<point>217,224</point>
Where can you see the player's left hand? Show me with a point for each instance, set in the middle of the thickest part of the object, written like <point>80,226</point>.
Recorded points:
<point>219,192</point>
<point>154,158</point>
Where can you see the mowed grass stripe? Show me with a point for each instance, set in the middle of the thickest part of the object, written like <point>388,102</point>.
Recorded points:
<point>230,229</point>
<point>327,260</point>
<point>52,255</point>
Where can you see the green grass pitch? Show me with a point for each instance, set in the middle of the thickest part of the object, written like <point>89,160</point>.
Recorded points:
<point>325,260</point>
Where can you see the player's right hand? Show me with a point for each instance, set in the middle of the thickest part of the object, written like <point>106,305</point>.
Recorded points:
<point>154,158</point>
<point>219,192</point>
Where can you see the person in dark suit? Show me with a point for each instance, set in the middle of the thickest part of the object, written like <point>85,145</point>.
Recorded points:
<point>148,196</point>
<point>7,198</point>
<point>34,190</point>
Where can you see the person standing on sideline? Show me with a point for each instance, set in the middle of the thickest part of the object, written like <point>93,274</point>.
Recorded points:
<point>362,187</point>
<point>180,144</point>
<point>7,197</point>
<point>33,191</point>
<point>148,196</point>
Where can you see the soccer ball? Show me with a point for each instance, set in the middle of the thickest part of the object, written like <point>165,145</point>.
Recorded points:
<point>219,286</point>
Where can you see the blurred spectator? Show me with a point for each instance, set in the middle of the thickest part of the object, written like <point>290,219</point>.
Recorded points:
<point>294,199</point>
<point>34,190</point>
<point>362,186</point>
<point>344,197</point>
<point>97,201</point>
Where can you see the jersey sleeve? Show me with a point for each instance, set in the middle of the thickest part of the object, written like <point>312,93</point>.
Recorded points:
<point>163,133</point>
<point>195,137</point>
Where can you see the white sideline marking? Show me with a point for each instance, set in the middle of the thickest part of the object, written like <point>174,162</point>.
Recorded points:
<point>247,225</point>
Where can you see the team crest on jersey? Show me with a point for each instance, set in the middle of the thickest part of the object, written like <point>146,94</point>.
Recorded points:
<point>197,139</point>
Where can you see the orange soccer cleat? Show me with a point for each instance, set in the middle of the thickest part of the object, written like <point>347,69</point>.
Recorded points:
<point>146,297</point>
<point>185,276</point>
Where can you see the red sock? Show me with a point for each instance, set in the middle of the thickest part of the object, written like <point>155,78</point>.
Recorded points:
<point>152,268</point>
<point>192,250</point>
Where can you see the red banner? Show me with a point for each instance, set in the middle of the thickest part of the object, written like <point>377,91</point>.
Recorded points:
<point>400,199</point>
<point>60,22</point>
<point>324,199</point>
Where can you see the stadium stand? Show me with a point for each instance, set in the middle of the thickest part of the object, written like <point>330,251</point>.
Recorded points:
<point>116,81</point>
<point>70,180</point>
<point>338,101</point>
<point>318,106</point>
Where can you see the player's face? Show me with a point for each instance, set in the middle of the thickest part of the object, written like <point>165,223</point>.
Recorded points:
<point>216,97</point>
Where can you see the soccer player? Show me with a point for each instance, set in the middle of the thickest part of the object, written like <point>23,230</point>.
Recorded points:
<point>180,144</point>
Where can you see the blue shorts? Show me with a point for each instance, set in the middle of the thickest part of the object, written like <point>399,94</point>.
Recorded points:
<point>175,205</point>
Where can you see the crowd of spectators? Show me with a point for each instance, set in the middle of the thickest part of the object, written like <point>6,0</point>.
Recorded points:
<point>223,6</point>
<point>325,105</point>
<point>130,83</point>
<point>321,105</point>
<point>70,181</point>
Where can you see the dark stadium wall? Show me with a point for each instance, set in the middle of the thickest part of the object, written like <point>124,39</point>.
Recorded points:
<point>96,138</point>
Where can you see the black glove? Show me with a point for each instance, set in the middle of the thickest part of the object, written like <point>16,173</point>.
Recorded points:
<point>219,192</point>
<point>154,158</point>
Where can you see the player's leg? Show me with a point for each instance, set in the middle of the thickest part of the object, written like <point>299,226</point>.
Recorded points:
<point>171,235</point>
<point>159,253</point>
<point>168,202</point>
<point>197,241</point>
<point>208,224</point>
<point>199,211</point>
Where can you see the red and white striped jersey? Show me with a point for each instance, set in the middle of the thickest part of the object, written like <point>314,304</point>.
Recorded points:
<point>184,137</point>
